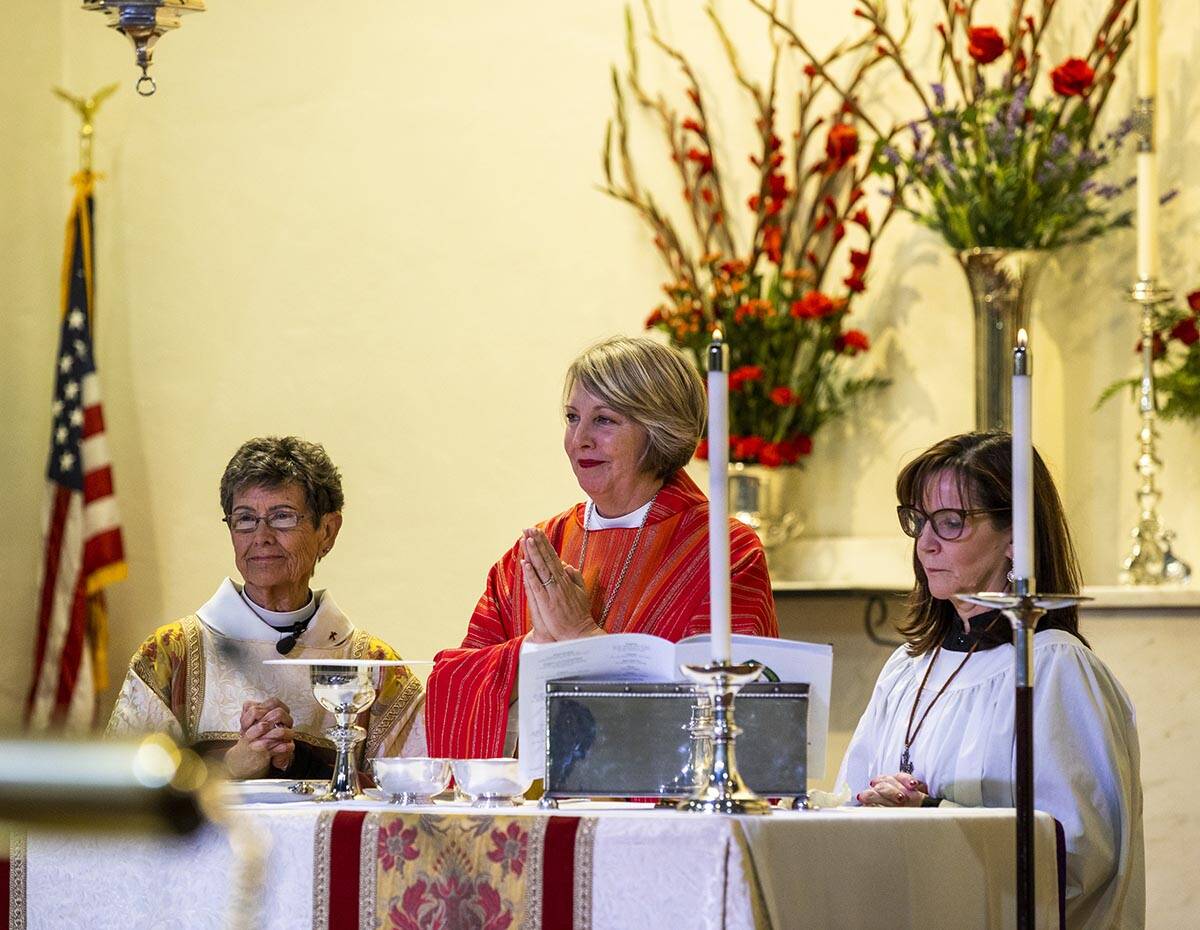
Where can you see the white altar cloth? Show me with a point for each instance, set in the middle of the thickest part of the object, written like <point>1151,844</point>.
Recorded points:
<point>845,868</point>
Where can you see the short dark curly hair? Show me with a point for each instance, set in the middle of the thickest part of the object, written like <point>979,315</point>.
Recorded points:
<point>273,461</point>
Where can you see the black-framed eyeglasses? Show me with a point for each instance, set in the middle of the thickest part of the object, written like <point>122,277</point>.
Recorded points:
<point>948,523</point>
<point>243,521</point>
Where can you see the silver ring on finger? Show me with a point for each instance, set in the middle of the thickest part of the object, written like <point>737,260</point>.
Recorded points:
<point>549,581</point>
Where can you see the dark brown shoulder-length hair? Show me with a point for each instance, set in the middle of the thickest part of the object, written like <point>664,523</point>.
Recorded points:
<point>982,465</point>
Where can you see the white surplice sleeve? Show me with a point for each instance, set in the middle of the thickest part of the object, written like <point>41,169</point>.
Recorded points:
<point>1086,774</point>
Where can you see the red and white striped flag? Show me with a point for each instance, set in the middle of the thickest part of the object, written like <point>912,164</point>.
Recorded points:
<point>82,551</point>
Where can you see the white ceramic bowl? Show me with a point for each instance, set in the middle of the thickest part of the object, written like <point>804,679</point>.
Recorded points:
<point>412,781</point>
<point>490,782</point>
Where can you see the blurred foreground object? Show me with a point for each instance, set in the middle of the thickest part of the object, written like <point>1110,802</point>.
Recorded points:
<point>144,22</point>
<point>151,786</point>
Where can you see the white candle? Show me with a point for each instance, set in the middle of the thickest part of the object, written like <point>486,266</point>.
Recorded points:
<point>1147,161</point>
<point>718,498</point>
<point>1147,48</point>
<point>1022,461</point>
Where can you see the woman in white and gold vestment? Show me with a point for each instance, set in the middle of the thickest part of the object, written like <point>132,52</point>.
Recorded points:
<point>202,679</point>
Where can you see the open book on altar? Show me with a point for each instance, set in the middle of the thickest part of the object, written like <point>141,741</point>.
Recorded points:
<point>638,657</point>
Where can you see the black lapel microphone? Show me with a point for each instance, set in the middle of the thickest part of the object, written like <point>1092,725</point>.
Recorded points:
<point>295,631</point>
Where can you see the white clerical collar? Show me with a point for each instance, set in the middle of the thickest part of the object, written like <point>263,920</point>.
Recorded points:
<point>628,521</point>
<point>227,613</point>
<point>280,619</point>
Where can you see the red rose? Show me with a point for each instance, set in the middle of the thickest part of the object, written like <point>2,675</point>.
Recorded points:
<point>797,446</point>
<point>771,455</point>
<point>1158,347</point>
<point>740,376</point>
<point>1193,300</point>
<point>985,44</point>
<point>841,144</point>
<point>813,306</point>
<point>852,341</point>
<point>743,448</point>
<point>1186,332</point>
<point>702,450</point>
<point>782,396</point>
<point>1072,78</point>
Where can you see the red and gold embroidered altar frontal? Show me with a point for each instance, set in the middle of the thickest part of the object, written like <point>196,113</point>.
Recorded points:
<point>438,872</point>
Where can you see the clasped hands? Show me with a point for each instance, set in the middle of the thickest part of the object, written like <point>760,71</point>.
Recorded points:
<point>899,790</point>
<point>559,605</point>
<point>266,739</point>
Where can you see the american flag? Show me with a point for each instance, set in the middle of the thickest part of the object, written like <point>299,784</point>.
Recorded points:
<point>82,551</point>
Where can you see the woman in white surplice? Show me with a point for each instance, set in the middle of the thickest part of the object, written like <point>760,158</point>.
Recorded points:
<point>939,726</point>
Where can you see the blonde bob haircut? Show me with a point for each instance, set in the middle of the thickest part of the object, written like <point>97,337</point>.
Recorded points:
<point>654,385</point>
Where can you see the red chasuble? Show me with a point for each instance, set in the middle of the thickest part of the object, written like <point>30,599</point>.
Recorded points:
<point>665,593</point>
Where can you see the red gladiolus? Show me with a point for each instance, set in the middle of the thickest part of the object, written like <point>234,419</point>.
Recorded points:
<point>703,159</point>
<point>740,376</point>
<point>1020,63</point>
<point>782,396</point>
<point>855,283</point>
<point>841,144</point>
<point>1186,332</point>
<point>1193,300</point>
<point>693,126</point>
<point>773,244</point>
<point>655,317</point>
<point>821,223</point>
<point>702,450</point>
<point>859,260</point>
<point>707,195</point>
<point>839,232</point>
<point>810,70</point>
<point>752,202</point>
<point>863,219</point>
<point>1072,78</point>
<point>813,306</point>
<point>985,44</point>
<point>852,341</point>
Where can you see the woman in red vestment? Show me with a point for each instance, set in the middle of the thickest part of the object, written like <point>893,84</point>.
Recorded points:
<point>633,558</point>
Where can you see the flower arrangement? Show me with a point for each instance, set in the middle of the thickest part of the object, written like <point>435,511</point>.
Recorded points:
<point>1007,155</point>
<point>1176,353</point>
<point>782,294</point>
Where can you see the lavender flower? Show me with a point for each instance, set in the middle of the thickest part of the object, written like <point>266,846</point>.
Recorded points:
<point>1016,109</point>
<point>1058,144</point>
<point>1108,191</point>
<point>891,155</point>
<point>939,94</point>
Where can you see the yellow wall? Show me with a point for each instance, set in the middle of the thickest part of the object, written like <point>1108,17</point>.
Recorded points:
<point>375,225</point>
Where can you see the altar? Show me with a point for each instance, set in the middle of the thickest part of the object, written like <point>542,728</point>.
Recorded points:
<point>588,865</point>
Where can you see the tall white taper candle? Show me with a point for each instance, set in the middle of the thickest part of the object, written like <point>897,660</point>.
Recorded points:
<point>1022,461</point>
<point>718,497</point>
<point>1147,158</point>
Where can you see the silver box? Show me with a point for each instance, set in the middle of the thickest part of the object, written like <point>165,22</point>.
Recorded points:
<point>619,739</point>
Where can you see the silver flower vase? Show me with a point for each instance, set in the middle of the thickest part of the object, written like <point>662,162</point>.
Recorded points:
<point>757,498</point>
<point>1002,282</point>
